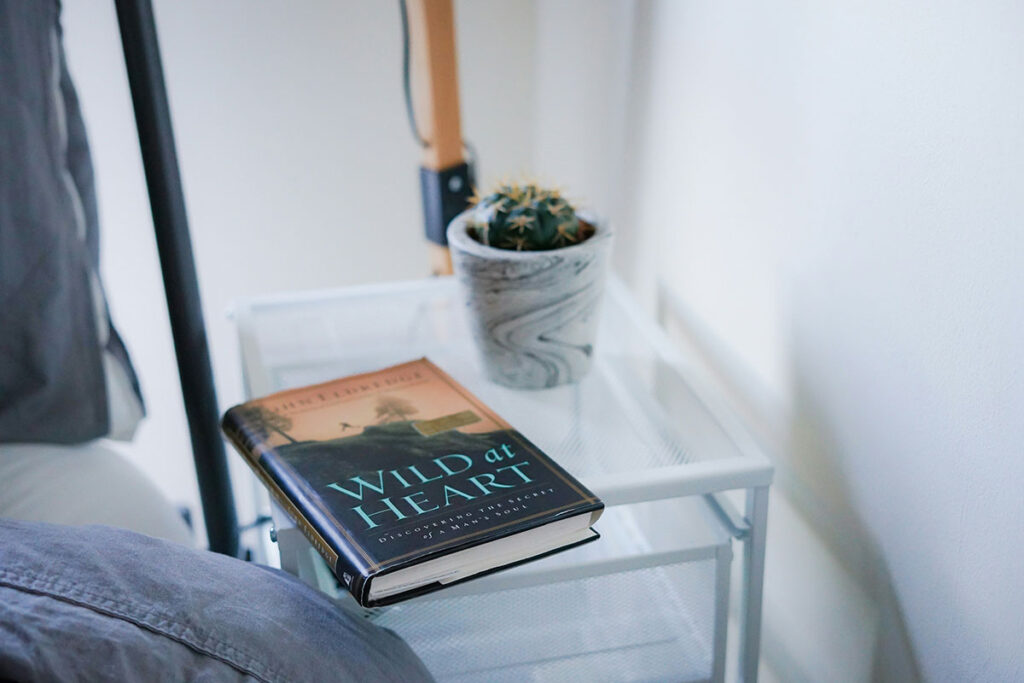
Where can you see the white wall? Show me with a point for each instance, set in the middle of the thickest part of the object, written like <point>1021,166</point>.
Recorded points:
<point>298,165</point>
<point>836,194</point>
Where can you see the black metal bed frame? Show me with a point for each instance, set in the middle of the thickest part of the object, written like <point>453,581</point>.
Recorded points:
<point>170,221</point>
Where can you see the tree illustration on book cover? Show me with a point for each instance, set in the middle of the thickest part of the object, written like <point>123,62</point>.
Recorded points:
<point>263,421</point>
<point>392,408</point>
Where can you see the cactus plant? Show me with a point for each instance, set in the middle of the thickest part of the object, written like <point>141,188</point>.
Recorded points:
<point>525,217</point>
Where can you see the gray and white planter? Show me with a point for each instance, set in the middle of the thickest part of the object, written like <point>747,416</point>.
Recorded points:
<point>533,314</point>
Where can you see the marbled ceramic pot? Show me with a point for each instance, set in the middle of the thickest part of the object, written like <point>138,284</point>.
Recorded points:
<point>533,313</point>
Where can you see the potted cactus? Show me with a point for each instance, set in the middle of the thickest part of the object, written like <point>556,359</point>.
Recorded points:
<point>532,269</point>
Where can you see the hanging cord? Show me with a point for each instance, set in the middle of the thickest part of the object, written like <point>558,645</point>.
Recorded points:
<point>471,157</point>
<point>405,77</point>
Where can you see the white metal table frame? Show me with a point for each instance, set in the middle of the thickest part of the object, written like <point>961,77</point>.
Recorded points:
<point>752,471</point>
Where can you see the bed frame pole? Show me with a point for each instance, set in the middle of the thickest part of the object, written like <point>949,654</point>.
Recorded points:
<point>167,202</point>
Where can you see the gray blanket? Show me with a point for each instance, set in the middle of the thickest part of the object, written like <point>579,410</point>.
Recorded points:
<point>96,603</point>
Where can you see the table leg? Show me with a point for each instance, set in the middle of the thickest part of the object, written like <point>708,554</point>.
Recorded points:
<point>753,582</point>
<point>723,577</point>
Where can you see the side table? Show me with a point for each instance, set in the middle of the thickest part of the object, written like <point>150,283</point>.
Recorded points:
<point>649,601</point>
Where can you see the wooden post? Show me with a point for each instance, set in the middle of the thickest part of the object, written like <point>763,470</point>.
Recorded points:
<point>436,96</point>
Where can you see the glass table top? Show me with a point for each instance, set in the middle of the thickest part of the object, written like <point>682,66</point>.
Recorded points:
<point>636,409</point>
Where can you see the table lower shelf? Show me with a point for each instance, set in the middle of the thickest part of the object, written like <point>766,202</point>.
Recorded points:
<point>653,624</point>
<point>646,602</point>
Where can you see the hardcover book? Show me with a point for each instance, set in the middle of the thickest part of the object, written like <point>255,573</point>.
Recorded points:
<point>407,483</point>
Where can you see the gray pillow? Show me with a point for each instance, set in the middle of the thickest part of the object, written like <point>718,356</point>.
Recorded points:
<point>96,603</point>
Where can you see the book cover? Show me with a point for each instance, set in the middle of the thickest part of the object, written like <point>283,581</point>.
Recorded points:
<point>392,469</point>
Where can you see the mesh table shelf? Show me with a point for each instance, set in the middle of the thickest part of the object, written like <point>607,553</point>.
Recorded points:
<point>646,602</point>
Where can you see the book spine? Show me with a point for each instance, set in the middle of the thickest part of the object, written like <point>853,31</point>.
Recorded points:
<point>287,492</point>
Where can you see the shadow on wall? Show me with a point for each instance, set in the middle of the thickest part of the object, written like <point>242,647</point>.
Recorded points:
<point>822,563</point>
<point>811,475</point>
<point>633,244</point>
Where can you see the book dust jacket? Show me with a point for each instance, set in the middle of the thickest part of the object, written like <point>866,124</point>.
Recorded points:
<point>390,468</point>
